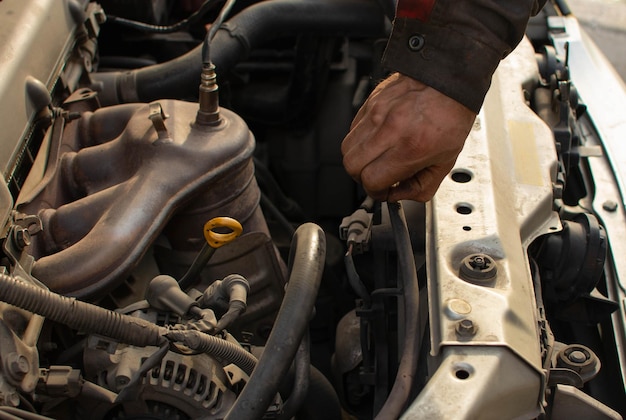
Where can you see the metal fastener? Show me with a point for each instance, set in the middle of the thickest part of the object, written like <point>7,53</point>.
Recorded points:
<point>609,205</point>
<point>22,238</point>
<point>478,268</point>
<point>416,42</point>
<point>18,365</point>
<point>580,359</point>
<point>457,309</point>
<point>479,262</point>
<point>465,328</point>
<point>577,356</point>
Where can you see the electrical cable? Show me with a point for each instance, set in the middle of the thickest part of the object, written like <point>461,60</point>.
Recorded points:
<point>355,280</point>
<point>206,50</point>
<point>127,329</point>
<point>131,391</point>
<point>160,29</point>
<point>401,390</point>
<point>271,209</point>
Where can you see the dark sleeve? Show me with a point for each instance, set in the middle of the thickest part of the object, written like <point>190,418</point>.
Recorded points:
<point>455,46</point>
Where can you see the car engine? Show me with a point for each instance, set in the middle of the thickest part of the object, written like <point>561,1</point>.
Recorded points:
<point>180,239</point>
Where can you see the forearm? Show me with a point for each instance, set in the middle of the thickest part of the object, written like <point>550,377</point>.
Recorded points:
<point>455,46</point>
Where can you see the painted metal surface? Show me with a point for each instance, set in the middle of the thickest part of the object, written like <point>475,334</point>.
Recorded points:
<point>496,201</point>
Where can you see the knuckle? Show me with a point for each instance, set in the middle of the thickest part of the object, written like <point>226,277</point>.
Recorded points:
<point>350,166</point>
<point>345,146</point>
<point>378,113</point>
<point>394,120</point>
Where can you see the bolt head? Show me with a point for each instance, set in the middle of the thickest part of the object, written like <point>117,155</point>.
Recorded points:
<point>577,356</point>
<point>465,328</point>
<point>478,262</point>
<point>17,365</point>
<point>580,359</point>
<point>610,205</point>
<point>22,238</point>
<point>478,268</point>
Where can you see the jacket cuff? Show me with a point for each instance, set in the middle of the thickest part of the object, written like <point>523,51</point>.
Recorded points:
<point>456,65</point>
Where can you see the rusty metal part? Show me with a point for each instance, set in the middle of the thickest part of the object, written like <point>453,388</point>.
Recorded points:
<point>114,178</point>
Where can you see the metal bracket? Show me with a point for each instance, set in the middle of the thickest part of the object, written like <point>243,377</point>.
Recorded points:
<point>158,117</point>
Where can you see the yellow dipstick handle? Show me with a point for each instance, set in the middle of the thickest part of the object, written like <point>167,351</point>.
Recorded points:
<point>217,239</point>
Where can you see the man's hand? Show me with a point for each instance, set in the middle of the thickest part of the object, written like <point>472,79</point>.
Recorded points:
<point>405,139</point>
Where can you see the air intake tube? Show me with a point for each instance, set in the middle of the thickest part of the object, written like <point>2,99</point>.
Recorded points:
<point>250,28</point>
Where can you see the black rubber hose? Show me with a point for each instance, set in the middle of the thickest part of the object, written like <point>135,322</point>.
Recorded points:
<point>321,402</point>
<point>301,380</point>
<point>307,258</point>
<point>80,315</point>
<point>399,395</point>
<point>255,25</point>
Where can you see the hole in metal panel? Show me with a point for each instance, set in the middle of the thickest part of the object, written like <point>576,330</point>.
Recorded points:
<point>461,176</point>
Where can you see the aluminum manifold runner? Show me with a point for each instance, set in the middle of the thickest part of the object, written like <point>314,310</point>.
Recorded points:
<point>116,176</point>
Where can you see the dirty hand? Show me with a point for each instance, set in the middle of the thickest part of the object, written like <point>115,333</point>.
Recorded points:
<point>405,139</point>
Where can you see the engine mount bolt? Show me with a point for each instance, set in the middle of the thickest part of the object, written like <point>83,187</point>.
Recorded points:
<point>478,268</point>
<point>577,356</point>
<point>610,205</point>
<point>465,328</point>
<point>580,359</point>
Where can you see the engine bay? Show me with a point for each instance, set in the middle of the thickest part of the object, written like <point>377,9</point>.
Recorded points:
<point>181,241</point>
